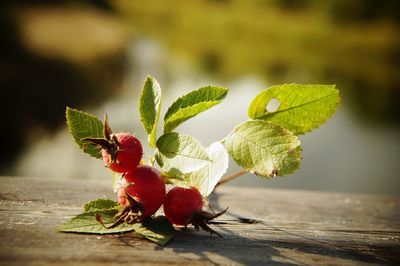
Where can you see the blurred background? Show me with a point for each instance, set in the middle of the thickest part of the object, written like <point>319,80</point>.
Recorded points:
<point>94,55</point>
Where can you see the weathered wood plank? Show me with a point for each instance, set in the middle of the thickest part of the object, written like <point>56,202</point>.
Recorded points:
<point>293,228</point>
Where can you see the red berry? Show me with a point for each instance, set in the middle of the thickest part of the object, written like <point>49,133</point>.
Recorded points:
<point>181,203</point>
<point>145,185</point>
<point>124,155</point>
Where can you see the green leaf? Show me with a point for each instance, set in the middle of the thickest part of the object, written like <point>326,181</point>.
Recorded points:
<point>87,223</point>
<point>206,178</point>
<point>176,179</point>
<point>99,205</point>
<point>116,178</point>
<point>149,108</point>
<point>191,104</point>
<point>264,149</point>
<point>301,107</point>
<point>83,125</point>
<point>179,154</point>
<point>158,230</point>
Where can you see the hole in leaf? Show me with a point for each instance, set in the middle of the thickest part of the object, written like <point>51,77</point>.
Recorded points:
<point>273,105</point>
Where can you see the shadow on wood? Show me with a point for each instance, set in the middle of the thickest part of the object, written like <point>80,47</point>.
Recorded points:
<point>282,228</point>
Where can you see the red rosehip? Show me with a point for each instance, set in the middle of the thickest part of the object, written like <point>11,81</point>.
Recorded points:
<point>146,186</point>
<point>181,203</point>
<point>121,152</point>
<point>124,154</point>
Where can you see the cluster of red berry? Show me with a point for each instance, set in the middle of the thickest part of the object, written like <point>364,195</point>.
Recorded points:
<point>142,190</point>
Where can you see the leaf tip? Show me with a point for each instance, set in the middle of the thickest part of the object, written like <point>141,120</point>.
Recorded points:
<point>149,77</point>
<point>68,111</point>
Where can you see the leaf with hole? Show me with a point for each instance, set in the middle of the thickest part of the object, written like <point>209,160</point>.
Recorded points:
<point>149,108</point>
<point>191,104</point>
<point>264,149</point>
<point>298,108</point>
<point>83,125</point>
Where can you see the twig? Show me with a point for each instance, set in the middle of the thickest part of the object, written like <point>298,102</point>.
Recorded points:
<point>231,177</point>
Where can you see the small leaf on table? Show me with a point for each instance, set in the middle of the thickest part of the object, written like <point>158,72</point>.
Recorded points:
<point>87,223</point>
<point>158,230</point>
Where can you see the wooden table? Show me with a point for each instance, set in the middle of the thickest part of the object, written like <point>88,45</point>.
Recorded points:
<point>293,228</point>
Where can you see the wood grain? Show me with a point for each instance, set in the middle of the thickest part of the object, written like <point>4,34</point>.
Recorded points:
<point>289,228</point>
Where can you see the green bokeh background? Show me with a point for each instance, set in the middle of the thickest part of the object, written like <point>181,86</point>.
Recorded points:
<point>95,55</point>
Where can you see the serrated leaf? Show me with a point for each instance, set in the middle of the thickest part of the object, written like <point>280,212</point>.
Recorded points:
<point>178,154</point>
<point>116,181</point>
<point>83,125</point>
<point>264,149</point>
<point>149,108</point>
<point>99,205</point>
<point>87,223</point>
<point>158,230</point>
<point>206,178</point>
<point>301,107</point>
<point>191,104</point>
